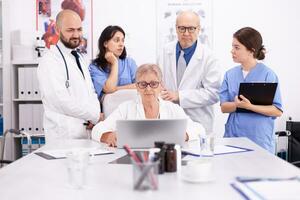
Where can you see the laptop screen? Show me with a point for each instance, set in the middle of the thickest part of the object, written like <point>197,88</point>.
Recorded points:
<point>143,133</point>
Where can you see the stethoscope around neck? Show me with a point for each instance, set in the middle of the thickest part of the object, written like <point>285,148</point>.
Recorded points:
<point>67,83</point>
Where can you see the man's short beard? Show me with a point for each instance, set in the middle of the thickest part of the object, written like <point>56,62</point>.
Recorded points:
<point>69,44</point>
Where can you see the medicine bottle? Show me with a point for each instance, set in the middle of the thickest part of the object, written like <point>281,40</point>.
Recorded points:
<point>171,158</point>
<point>161,156</point>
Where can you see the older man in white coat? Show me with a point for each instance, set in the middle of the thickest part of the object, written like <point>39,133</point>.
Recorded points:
<point>191,74</point>
<point>67,91</point>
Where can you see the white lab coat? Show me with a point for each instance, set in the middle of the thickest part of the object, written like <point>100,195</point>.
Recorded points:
<point>65,110</point>
<point>198,89</point>
<point>134,109</point>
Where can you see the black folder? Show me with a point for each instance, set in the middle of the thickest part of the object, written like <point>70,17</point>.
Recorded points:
<point>258,93</point>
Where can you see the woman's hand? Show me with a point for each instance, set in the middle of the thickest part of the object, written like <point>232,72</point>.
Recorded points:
<point>111,58</point>
<point>109,138</point>
<point>268,110</point>
<point>110,85</point>
<point>243,103</point>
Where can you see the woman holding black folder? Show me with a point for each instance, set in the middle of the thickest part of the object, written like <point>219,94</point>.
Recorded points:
<point>257,125</point>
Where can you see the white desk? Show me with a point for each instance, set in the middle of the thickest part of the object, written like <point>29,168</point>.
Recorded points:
<point>33,177</point>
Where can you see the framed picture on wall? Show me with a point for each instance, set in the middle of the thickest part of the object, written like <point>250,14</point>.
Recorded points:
<point>167,11</point>
<point>46,11</point>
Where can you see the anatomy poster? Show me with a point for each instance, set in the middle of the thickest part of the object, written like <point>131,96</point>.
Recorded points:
<point>167,11</point>
<point>46,11</point>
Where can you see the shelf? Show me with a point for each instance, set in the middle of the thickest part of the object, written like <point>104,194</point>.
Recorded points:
<point>31,135</point>
<point>27,100</point>
<point>25,62</point>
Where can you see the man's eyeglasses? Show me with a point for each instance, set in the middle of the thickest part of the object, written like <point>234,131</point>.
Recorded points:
<point>144,84</point>
<point>190,29</point>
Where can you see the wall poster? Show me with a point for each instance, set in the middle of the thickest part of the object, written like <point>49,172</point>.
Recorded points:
<point>46,11</point>
<point>167,11</point>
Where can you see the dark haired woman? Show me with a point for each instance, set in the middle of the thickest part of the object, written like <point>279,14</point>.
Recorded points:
<point>258,126</point>
<point>112,70</point>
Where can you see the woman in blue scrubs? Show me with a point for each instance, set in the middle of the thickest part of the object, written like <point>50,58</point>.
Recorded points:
<point>258,126</point>
<point>112,70</point>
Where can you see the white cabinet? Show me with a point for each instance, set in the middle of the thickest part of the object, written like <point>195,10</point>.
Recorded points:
<point>26,105</point>
<point>9,86</point>
<point>27,109</point>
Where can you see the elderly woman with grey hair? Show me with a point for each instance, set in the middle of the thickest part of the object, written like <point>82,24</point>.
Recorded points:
<point>147,106</point>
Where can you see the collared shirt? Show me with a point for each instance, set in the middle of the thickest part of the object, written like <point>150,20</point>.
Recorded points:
<point>188,52</point>
<point>126,74</point>
<point>257,127</point>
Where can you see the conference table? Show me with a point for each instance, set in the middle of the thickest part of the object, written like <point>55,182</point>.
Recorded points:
<point>34,177</point>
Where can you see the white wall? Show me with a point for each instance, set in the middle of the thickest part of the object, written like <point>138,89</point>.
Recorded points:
<point>137,18</point>
<point>277,20</point>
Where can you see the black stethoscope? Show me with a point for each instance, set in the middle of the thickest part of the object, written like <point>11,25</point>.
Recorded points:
<point>67,83</point>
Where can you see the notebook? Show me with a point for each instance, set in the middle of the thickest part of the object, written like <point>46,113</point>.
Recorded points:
<point>257,93</point>
<point>143,133</point>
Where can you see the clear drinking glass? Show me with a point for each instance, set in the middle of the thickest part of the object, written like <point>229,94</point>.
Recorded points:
<point>207,144</point>
<point>77,163</point>
<point>145,176</point>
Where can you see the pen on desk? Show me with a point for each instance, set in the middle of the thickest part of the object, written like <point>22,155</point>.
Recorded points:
<point>254,179</point>
<point>189,153</point>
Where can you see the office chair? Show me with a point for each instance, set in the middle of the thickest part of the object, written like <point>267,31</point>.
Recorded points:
<point>294,142</point>
<point>14,132</point>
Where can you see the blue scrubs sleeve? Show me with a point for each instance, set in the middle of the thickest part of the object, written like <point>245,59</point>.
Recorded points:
<point>272,77</point>
<point>98,77</point>
<point>133,67</point>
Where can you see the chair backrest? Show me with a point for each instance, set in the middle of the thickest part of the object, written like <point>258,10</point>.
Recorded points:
<point>111,101</point>
<point>294,142</point>
<point>12,132</point>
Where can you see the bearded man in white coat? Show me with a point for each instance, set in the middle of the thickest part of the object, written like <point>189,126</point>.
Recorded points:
<point>191,73</point>
<point>67,91</point>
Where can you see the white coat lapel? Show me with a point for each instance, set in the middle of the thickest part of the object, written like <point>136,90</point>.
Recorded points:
<point>140,112</point>
<point>172,56</point>
<point>193,64</point>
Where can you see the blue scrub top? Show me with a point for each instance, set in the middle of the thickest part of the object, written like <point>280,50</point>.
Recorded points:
<point>126,74</point>
<point>258,128</point>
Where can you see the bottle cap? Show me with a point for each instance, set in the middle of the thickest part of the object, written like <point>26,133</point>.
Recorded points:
<point>159,144</point>
<point>170,146</point>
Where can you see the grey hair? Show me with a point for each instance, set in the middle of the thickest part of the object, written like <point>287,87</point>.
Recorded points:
<point>148,68</point>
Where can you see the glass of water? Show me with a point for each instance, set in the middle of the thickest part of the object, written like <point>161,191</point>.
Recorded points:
<point>77,163</point>
<point>207,144</point>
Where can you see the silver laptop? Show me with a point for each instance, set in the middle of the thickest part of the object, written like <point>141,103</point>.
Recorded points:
<point>143,133</point>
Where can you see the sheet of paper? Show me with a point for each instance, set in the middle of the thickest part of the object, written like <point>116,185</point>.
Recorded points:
<point>287,189</point>
<point>280,189</point>
<point>219,150</point>
<point>61,153</point>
